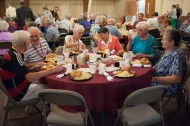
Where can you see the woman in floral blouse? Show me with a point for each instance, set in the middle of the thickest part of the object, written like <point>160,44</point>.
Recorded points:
<point>171,68</point>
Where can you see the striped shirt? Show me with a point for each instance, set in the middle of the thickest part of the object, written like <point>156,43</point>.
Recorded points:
<point>37,53</point>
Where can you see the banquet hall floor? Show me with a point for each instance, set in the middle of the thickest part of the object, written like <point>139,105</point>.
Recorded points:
<point>173,117</point>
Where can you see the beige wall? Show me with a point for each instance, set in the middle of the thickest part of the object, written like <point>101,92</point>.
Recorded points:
<point>119,7</point>
<point>114,8</point>
<point>162,6</point>
<point>72,7</point>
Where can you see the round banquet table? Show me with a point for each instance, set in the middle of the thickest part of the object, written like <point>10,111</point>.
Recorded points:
<point>101,94</point>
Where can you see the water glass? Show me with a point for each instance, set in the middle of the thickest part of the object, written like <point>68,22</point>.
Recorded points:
<point>69,68</point>
<point>101,68</point>
<point>59,59</point>
<point>92,57</point>
<point>66,55</point>
<point>127,62</point>
<point>94,49</point>
<point>92,67</point>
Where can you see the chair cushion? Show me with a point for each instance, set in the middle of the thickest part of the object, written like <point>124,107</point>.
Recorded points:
<point>141,114</point>
<point>59,116</point>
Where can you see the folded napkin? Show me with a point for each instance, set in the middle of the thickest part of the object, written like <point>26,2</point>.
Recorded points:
<point>111,68</point>
<point>137,65</point>
<point>108,77</point>
<point>148,65</point>
<point>112,52</point>
<point>60,76</point>
<point>140,65</point>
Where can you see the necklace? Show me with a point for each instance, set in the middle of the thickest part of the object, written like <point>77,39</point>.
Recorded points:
<point>73,39</point>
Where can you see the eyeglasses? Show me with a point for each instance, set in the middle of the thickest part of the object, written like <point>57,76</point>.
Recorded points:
<point>139,29</point>
<point>35,36</point>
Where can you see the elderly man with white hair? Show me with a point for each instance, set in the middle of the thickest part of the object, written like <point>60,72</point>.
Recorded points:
<point>66,23</point>
<point>16,76</point>
<point>4,34</point>
<point>38,48</point>
<point>143,44</point>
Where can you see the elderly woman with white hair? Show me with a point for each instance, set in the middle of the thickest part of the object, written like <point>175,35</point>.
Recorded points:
<point>99,22</point>
<point>4,34</point>
<point>152,30</point>
<point>73,42</point>
<point>143,44</point>
<point>16,76</point>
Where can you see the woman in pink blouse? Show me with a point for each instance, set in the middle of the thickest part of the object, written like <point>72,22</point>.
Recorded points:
<point>107,41</point>
<point>5,36</point>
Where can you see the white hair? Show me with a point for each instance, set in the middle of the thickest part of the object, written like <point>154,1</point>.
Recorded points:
<point>110,21</point>
<point>19,37</point>
<point>48,21</point>
<point>4,26</point>
<point>151,23</point>
<point>78,28</point>
<point>68,17</point>
<point>33,28</point>
<point>143,25</point>
<point>100,19</point>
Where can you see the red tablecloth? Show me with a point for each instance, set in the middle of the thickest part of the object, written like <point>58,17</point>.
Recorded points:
<point>101,94</point>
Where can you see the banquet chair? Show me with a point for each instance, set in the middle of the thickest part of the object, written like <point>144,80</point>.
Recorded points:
<point>57,116</point>
<point>159,45</point>
<point>10,104</point>
<point>86,38</point>
<point>58,42</point>
<point>136,110</point>
<point>63,30</point>
<point>5,45</point>
<point>179,94</point>
<point>185,39</point>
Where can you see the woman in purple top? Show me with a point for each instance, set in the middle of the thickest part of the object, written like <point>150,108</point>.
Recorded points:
<point>4,34</point>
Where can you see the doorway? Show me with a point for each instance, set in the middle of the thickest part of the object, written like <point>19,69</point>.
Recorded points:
<point>133,7</point>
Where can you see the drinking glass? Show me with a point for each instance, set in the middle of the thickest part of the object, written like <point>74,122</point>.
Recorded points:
<point>59,59</point>
<point>94,49</point>
<point>92,67</point>
<point>66,54</point>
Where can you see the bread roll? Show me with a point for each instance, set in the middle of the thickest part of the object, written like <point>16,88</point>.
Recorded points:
<point>121,52</point>
<point>127,68</point>
<point>145,61</point>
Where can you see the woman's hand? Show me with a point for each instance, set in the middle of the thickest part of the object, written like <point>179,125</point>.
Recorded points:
<point>130,37</point>
<point>82,46</point>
